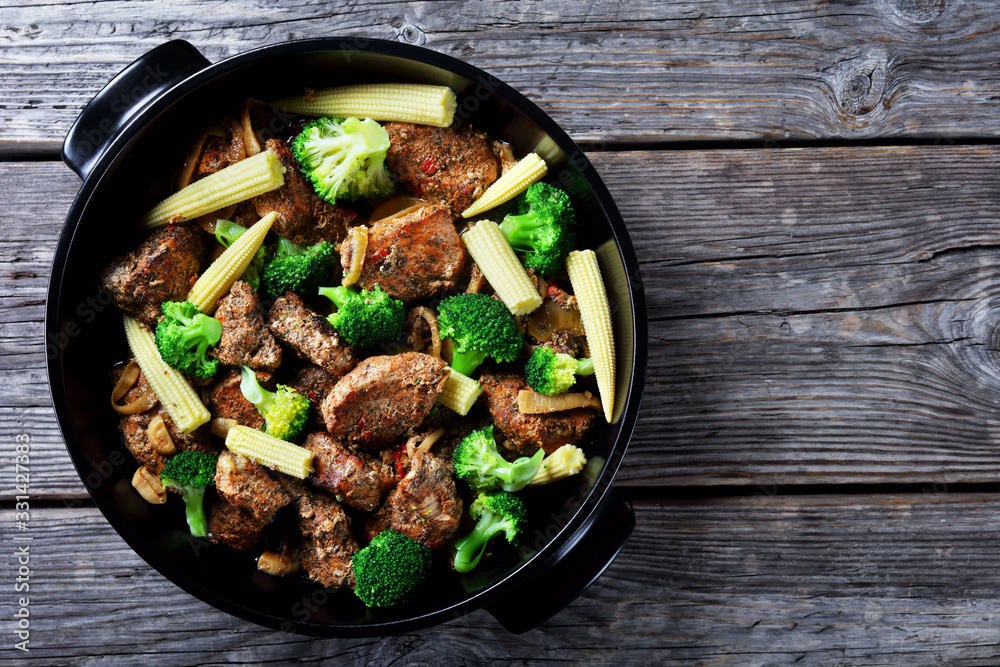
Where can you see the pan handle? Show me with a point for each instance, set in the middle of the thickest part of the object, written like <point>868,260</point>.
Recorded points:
<point>132,90</point>
<point>576,565</point>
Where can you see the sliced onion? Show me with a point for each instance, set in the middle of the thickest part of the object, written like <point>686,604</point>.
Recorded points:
<point>125,382</point>
<point>429,441</point>
<point>357,240</point>
<point>237,148</point>
<point>159,437</point>
<point>186,170</point>
<point>416,340</point>
<point>207,221</point>
<point>220,426</point>
<point>477,281</point>
<point>250,143</point>
<point>551,317</point>
<point>395,207</point>
<point>532,403</point>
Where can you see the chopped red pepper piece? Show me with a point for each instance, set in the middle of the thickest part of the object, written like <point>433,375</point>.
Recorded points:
<point>377,256</point>
<point>428,166</point>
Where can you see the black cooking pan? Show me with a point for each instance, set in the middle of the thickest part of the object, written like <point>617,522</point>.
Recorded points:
<point>132,135</point>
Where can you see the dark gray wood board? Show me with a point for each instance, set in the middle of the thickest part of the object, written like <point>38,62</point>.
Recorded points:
<point>807,325</point>
<point>638,71</point>
<point>754,581</point>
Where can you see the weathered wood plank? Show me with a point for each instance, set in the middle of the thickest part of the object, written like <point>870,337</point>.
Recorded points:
<point>808,325</point>
<point>767,580</point>
<point>814,310</point>
<point>607,71</point>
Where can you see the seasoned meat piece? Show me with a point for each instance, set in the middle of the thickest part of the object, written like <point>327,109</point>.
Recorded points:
<point>214,156</point>
<point>453,165</point>
<point>425,505</point>
<point>412,256</point>
<point>565,342</point>
<point>310,335</point>
<point>355,478</point>
<point>233,525</point>
<point>563,299</point>
<point>302,216</point>
<point>383,397</point>
<point>327,541</point>
<point>248,485</point>
<point>245,214</point>
<point>246,340</point>
<point>314,383</point>
<point>162,268</point>
<point>134,429</point>
<point>526,433</point>
<point>293,486</point>
<point>224,399</point>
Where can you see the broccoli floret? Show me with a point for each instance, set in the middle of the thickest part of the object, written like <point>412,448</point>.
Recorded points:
<point>191,472</point>
<point>183,336</point>
<point>344,158</point>
<point>544,229</point>
<point>225,233</point>
<point>496,513</point>
<point>388,570</point>
<point>365,317</point>
<point>285,411</point>
<point>478,462</point>
<point>549,372</point>
<point>298,267</point>
<point>481,327</point>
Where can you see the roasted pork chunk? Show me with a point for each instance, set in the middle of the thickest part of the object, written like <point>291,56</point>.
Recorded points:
<point>383,397</point>
<point>162,268</point>
<point>412,256</point>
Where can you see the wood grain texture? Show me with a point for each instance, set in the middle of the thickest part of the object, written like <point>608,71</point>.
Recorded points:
<point>817,315</point>
<point>755,581</point>
<point>807,325</point>
<point>650,70</point>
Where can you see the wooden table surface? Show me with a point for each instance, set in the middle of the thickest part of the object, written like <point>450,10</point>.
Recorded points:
<point>812,189</point>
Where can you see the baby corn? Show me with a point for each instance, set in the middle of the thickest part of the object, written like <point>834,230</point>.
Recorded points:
<point>269,451</point>
<point>459,393</point>
<point>175,394</point>
<point>500,266</point>
<point>566,461</point>
<point>588,287</point>
<point>404,102</point>
<point>231,185</point>
<point>531,168</point>
<point>229,266</point>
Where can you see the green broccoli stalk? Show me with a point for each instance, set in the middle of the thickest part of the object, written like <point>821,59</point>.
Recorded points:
<point>365,317</point>
<point>388,570</point>
<point>477,461</point>
<point>344,158</point>
<point>183,336</point>
<point>299,267</point>
<point>480,327</point>
<point>285,411</point>
<point>191,472</point>
<point>550,373</point>
<point>225,233</point>
<point>544,229</point>
<point>496,513</point>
